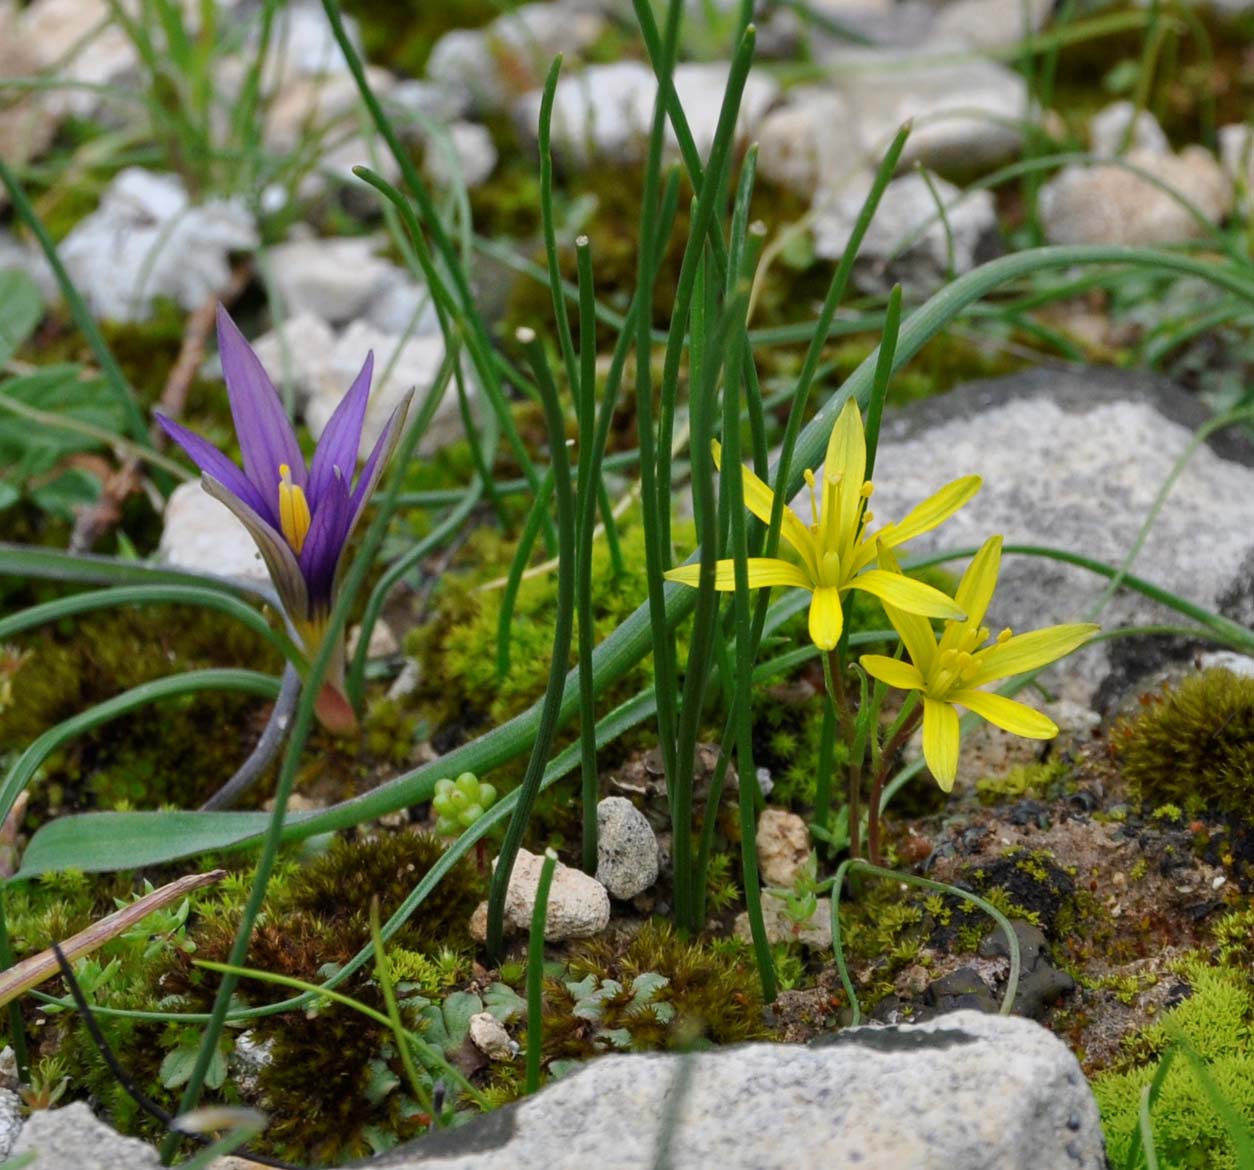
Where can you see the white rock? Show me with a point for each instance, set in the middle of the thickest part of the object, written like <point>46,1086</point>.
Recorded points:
<point>1109,127</point>
<point>965,1091</point>
<point>418,103</point>
<point>71,1138</point>
<point>1074,459</point>
<point>990,24</point>
<point>146,240</point>
<point>202,536</point>
<point>79,40</point>
<point>464,154</point>
<point>627,854</point>
<point>700,88</point>
<point>595,113</point>
<point>1109,204</point>
<point>317,105</point>
<point>605,111</point>
<point>816,931</point>
<point>812,136</point>
<point>27,125</point>
<point>383,642</point>
<point>11,1117</point>
<point>303,45</point>
<point>415,367</point>
<point>963,113</point>
<point>783,846</point>
<point>248,1059</point>
<point>10,1076</point>
<point>403,307</point>
<point>579,906</point>
<point>907,212</point>
<point>1238,664</point>
<point>333,279</point>
<point>488,1034</point>
<point>512,54</point>
<point>1236,152</point>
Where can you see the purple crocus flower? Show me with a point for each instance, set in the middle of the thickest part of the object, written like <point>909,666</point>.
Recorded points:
<point>301,517</point>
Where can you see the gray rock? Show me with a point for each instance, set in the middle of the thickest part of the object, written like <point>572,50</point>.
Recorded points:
<point>807,138</point>
<point>1236,152</point>
<point>72,1139</point>
<point>1074,459</point>
<point>146,240</point>
<point>1110,204</point>
<point>203,536</point>
<point>627,858</point>
<point>907,240</point>
<point>579,906</point>
<point>966,1090</point>
<point>1109,127</point>
<point>11,1119</point>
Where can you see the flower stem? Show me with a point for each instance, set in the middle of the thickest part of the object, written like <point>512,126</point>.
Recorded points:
<point>838,695</point>
<point>903,729</point>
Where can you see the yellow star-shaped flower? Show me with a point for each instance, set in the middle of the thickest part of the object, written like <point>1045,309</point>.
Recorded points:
<point>836,551</point>
<point>953,670</point>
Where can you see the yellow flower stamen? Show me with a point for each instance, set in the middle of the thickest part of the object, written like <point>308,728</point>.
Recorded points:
<point>293,510</point>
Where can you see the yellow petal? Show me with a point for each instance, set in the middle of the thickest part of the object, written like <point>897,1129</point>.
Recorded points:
<point>936,509</point>
<point>827,619</point>
<point>916,635</point>
<point>763,571</point>
<point>975,590</point>
<point>940,741</point>
<point>908,594</point>
<point>1028,651</point>
<point>846,458</point>
<point>901,675</point>
<point>1016,718</point>
<point>759,499</point>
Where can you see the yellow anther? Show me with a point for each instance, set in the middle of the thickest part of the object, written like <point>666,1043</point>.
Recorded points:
<point>814,495</point>
<point>293,509</point>
<point>867,489</point>
<point>1004,636</point>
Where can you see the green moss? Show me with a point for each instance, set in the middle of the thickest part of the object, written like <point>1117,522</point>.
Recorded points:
<point>457,648</point>
<point>656,992</point>
<point>1046,780</point>
<point>156,753</point>
<point>401,36</point>
<point>1215,1024</point>
<point>1194,745</point>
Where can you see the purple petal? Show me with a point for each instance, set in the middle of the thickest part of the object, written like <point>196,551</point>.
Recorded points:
<point>275,551</point>
<point>384,445</point>
<point>266,438</point>
<point>324,543</point>
<point>341,437</point>
<point>212,462</point>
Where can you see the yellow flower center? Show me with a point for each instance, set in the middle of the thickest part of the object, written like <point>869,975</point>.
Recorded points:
<point>293,509</point>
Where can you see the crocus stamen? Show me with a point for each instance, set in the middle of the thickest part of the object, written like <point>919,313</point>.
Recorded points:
<point>293,509</point>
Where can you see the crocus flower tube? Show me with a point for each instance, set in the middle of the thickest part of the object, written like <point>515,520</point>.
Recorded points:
<point>300,517</point>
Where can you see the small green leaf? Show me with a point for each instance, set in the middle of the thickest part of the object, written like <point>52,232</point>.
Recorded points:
<point>21,309</point>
